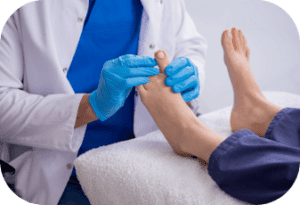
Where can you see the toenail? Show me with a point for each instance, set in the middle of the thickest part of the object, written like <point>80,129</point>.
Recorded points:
<point>229,34</point>
<point>161,55</point>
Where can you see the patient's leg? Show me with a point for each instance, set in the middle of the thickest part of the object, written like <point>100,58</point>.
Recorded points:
<point>184,132</point>
<point>163,105</point>
<point>251,110</point>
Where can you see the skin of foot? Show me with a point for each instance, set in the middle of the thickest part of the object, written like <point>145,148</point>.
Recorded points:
<point>251,110</point>
<point>161,102</point>
<point>185,133</point>
<point>182,129</point>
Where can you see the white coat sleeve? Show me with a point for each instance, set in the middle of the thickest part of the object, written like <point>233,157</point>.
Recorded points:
<point>30,119</point>
<point>189,43</point>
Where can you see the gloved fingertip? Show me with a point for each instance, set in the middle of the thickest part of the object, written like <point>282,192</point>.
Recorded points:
<point>168,82</point>
<point>147,80</point>
<point>175,89</point>
<point>168,70</point>
<point>152,61</point>
<point>152,73</point>
<point>185,99</point>
<point>167,73</point>
<point>156,70</point>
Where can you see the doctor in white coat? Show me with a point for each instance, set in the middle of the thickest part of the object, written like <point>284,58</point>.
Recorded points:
<point>38,107</point>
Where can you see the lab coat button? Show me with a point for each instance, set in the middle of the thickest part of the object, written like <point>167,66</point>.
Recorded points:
<point>69,166</point>
<point>65,70</point>
<point>80,19</point>
<point>152,46</point>
<point>136,93</point>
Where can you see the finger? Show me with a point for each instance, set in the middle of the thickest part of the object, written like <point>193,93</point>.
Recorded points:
<point>180,76</point>
<point>188,96</point>
<point>137,61</point>
<point>162,60</point>
<point>186,84</point>
<point>127,56</point>
<point>110,63</point>
<point>176,65</point>
<point>131,82</point>
<point>141,72</point>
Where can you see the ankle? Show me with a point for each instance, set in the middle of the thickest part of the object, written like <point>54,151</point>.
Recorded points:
<point>253,113</point>
<point>201,140</point>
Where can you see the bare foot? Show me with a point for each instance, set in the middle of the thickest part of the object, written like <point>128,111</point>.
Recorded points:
<point>251,110</point>
<point>182,129</point>
<point>165,106</point>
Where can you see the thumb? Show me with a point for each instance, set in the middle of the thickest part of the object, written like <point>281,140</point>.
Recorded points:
<point>162,60</point>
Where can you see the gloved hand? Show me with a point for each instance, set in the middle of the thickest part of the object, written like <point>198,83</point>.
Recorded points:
<point>118,76</point>
<point>182,76</point>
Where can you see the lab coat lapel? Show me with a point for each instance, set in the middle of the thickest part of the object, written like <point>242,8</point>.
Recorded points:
<point>150,29</point>
<point>153,9</point>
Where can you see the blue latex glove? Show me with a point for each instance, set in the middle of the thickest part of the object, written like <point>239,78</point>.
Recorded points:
<point>118,76</point>
<point>182,76</point>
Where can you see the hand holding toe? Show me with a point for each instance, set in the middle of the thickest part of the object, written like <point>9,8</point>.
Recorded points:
<point>156,82</point>
<point>182,76</point>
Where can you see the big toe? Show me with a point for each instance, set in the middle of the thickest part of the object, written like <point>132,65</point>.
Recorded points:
<point>227,42</point>
<point>162,60</point>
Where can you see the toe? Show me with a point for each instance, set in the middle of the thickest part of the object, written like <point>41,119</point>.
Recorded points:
<point>233,32</point>
<point>162,60</point>
<point>243,42</point>
<point>236,39</point>
<point>141,89</point>
<point>247,52</point>
<point>227,41</point>
<point>242,38</point>
<point>246,48</point>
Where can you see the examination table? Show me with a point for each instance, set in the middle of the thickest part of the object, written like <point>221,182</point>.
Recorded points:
<point>146,171</point>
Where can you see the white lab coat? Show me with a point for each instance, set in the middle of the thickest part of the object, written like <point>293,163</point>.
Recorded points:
<point>38,106</point>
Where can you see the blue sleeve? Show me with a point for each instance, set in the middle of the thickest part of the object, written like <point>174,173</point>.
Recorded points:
<point>254,169</point>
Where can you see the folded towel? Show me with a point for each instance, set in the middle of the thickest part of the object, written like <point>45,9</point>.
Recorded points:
<point>146,171</point>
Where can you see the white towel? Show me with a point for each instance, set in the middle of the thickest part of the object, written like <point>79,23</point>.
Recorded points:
<point>146,171</point>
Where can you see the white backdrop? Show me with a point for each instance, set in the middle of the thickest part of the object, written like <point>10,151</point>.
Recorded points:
<point>271,35</point>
